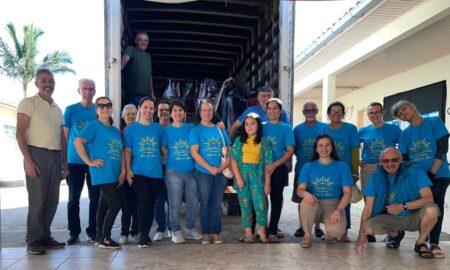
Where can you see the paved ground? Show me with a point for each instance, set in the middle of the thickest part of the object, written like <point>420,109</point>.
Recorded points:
<point>165,255</point>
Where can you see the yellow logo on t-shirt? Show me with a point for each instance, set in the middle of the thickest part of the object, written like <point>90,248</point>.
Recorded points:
<point>148,147</point>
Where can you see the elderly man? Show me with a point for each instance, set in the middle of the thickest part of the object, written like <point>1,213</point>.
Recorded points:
<point>76,117</point>
<point>43,145</point>
<point>398,198</point>
<point>305,134</point>
<point>264,94</point>
<point>137,66</point>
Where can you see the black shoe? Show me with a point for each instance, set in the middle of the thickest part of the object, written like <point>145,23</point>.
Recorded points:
<point>280,234</point>
<point>394,242</point>
<point>52,243</point>
<point>109,244</point>
<point>35,248</point>
<point>91,238</point>
<point>145,242</point>
<point>318,233</point>
<point>371,238</point>
<point>73,240</point>
<point>299,232</point>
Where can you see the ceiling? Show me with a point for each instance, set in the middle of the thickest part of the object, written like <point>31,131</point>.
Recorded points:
<point>197,39</point>
<point>424,46</point>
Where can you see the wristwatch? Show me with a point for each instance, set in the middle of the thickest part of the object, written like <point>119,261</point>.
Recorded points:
<point>405,206</point>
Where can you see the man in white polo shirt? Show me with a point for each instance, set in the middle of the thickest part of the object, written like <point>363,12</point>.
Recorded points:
<point>41,140</point>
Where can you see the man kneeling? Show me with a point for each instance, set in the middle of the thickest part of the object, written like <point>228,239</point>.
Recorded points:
<point>398,199</point>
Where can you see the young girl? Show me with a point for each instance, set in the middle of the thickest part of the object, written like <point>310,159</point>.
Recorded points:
<point>106,167</point>
<point>249,156</point>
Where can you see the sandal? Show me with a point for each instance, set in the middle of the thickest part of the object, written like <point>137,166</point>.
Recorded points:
<point>436,251</point>
<point>248,239</point>
<point>306,243</point>
<point>344,238</point>
<point>273,239</point>
<point>263,238</point>
<point>423,251</point>
<point>241,238</point>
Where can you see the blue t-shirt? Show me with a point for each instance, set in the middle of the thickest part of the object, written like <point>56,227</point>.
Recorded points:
<point>210,145</point>
<point>376,140</point>
<point>179,156</point>
<point>262,114</point>
<point>305,137</point>
<point>145,142</point>
<point>104,143</point>
<point>419,142</point>
<point>76,118</point>
<point>279,136</point>
<point>404,187</point>
<point>325,181</point>
<point>345,138</point>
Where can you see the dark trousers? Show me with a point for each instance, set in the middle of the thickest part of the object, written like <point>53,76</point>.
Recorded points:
<point>162,220</point>
<point>438,189</point>
<point>43,193</point>
<point>147,190</point>
<point>129,210</point>
<point>108,207</point>
<point>277,183</point>
<point>77,174</point>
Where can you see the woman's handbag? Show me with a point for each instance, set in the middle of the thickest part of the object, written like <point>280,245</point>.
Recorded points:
<point>226,172</point>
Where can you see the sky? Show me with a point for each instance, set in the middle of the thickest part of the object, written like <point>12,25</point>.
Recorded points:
<point>74,26</point>
<point>78,28</point>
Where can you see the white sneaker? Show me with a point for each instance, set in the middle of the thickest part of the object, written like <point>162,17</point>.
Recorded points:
<point>123,239</point>
<point>135,238</point>
<point>158,236</point>
<point>178,238</point>
<point>192,234</point>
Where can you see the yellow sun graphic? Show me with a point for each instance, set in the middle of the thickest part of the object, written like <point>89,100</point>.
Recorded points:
<point>272,140</point>
<point>377,145</point>
<point>308,143</point>
<point>148,146</point>
<point>82,125</point>
<point>339,148</point>
<point>115,148</point>
<point>181,145</point>
<point>213,145</point>
<point>322,181</point>
<point>421,147</point>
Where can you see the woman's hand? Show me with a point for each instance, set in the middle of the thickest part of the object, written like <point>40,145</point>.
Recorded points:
<point>130,177</point>
<point>122,177</point>
<point>267,189</point>
<point>215,170</point>
<point>270,168</point>
<point>362,163</point>
<point>361,241</point>
<point>96,163</point>
<point>309,198</point>
<point>335,217</point>
<point>239,183</point>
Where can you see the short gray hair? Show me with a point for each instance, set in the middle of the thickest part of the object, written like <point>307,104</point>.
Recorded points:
<point>400,104</point>
<point>128,106</point>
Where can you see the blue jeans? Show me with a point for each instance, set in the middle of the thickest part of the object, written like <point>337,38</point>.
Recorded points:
<point>162,220</point>
<point>211,189</point>
<point>177,183</point>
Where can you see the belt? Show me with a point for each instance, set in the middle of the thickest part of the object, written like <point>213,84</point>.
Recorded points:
<point>44,149</point>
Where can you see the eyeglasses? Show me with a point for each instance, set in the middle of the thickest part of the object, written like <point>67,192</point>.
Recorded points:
<point>206,110</point>
<point>101,106</point>
<point>392,160</point>
<point>310,111</point>
<point>46,81</point>
<point>336,113</point>
<point>375,113</point>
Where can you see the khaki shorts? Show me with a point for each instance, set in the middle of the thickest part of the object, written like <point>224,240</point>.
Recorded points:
<point>386,222</point>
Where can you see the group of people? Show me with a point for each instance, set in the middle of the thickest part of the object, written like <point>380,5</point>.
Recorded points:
<point>160,157</point>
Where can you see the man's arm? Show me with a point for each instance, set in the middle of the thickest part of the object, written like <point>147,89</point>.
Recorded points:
<point>124,60</point>
<point>23,122</point>
<point>234,127</point>
<point>425,197</point>
<point>66,133</point>
<point>366,214</point>
<point>65,168</point>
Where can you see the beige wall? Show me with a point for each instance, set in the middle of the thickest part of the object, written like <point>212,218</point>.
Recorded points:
<point>357,101</point>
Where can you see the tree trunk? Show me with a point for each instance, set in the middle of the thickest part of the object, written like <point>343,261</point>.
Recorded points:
<point>24,87</point>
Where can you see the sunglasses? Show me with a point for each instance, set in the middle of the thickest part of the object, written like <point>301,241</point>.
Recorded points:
<point>101,106</point>
<point>392,160</point>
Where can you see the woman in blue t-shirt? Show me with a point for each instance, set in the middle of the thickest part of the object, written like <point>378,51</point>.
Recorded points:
<point>346,141</point>
<point>179,175</point>
<point>206,143</point>
<point>281,139</point>
<point>325,184</point>
<point>106,166</point>
<point>425,143</point>
<point>144,142</point>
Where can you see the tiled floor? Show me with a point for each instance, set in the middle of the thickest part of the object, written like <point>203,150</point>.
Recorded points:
<point>225,256</point>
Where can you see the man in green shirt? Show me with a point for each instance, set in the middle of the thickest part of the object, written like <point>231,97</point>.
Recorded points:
<point>137,67</point>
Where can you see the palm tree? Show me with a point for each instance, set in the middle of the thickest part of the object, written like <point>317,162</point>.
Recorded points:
<point>20,63</point>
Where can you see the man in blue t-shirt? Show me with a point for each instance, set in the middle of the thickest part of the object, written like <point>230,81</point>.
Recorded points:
<point>76,118</point>
<point>264,94</point>
<point>398,198</point>
<point>305,135</point>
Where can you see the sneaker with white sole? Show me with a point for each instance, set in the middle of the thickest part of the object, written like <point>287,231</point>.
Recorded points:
<point>192,234</point>
<point>158,236</point>
<point>123,239</point>
<point>109,244</point>
<point>178,238</point>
